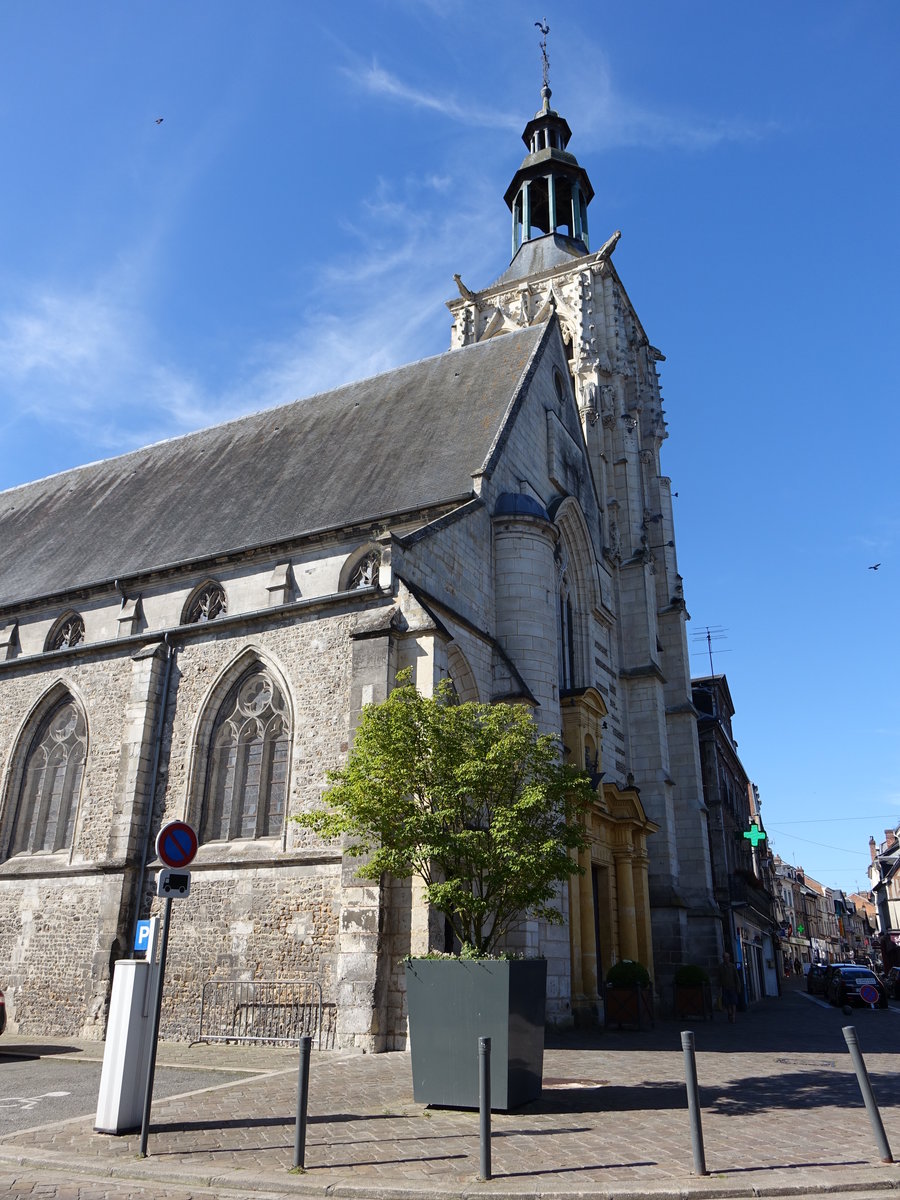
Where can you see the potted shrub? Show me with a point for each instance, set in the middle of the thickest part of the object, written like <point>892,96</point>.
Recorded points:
<point>476,803</point>
<point>628,998</point>
<point>693,994</point>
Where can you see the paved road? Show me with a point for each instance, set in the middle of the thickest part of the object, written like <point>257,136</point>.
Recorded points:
<point>781,1115</point>
<point>39,1091</point>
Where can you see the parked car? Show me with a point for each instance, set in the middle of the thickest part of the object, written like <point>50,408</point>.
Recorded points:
<point>830,969</point>
<point>815,979</point>
<point>846,983</point>
<point>892,983</point>
<point>2,1012</point>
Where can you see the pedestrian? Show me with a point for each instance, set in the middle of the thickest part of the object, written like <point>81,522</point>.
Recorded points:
<point>731,986</point>
<point>797,968</point>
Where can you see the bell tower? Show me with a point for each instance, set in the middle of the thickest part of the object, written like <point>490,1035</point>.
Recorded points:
<point>650,738</point>
<point>550,192</point>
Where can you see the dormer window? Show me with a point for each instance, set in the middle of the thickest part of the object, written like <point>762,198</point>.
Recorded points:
<point>66,633</point>
<point>205,604</point>
<point>365,573</point>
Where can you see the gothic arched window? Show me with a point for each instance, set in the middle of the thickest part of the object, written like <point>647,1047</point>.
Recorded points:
<point>566,637</point>
<point>67,632</point>
<point>246,778</point>
<point>205,604</point>
<point>51,782</point>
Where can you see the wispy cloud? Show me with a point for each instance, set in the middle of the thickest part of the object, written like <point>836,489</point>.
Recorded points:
<point>606,117</point>
<point>91,361</point>
<point>379,82</point>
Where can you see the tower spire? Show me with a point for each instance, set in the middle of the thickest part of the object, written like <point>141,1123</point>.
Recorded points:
<point>550,192</point>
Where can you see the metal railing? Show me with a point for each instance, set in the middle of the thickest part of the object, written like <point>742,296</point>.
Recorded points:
<point>281,1010</point>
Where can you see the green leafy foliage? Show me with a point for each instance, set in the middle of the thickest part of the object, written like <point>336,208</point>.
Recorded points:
<point>470,798</point>
<point>627,973</point>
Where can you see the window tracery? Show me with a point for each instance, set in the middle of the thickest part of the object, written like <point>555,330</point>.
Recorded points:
<point>207,603</point>
<point>51,782</point>
<point>365,573</point>
<point>66,633</point>
<point>246,780</point>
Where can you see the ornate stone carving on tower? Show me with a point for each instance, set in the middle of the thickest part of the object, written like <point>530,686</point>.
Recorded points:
<point>651,726</point>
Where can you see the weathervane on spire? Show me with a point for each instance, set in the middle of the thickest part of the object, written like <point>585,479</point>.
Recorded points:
<point>545,29</point>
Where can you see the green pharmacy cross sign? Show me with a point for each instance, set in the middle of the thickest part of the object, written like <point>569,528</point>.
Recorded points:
<point>755,835</point>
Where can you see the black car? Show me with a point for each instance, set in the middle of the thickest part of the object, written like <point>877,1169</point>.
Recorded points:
<point>815,979</point>
<point>847,982</point>
<point>830,969</point>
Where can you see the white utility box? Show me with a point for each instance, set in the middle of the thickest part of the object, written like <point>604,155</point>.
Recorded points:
<point>123,1080</point>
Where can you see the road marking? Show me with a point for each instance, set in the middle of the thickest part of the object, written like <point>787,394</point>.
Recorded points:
<point>23,1103</point>
<point>815,1000</point>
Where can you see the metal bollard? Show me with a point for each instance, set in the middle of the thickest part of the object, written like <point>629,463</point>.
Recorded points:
<point>862,1078</point>
<point>693,1099</point>
<point>484,1105</point>
<point>302,1102</point>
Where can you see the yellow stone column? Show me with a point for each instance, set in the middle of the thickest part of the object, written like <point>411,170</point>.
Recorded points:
<point>642,911</point>
<point>575,933</point>
<point>588,935</point>
<point>628,942</point>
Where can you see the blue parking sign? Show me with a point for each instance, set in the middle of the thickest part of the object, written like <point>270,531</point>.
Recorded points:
<point>142,937</point>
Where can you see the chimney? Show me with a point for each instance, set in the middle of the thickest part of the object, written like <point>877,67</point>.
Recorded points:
<point>890,839</point>
<point>873,848</point>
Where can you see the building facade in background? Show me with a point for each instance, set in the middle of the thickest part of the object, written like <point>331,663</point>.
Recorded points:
<point>743,875</point>
<point>884,877</point>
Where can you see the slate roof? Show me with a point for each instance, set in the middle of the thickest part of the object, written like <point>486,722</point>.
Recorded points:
<point>540,254</point>
<point>398,442</point>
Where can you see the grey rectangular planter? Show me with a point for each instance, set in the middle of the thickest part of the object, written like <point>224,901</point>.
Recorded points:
<point>454,1002</point>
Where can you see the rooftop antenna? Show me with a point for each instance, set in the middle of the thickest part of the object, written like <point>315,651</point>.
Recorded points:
<point>712,633</point>
<point>545,29</point>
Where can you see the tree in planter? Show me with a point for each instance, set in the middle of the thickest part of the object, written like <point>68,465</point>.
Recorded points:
<point>470,798</point>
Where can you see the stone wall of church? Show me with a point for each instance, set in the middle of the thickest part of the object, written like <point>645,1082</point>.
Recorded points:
<point>240,923</point>
<point>59,920</point>
<point>453,564</point>
<point>310,651</point>
<point>51,933</point>
<point>265,909</point>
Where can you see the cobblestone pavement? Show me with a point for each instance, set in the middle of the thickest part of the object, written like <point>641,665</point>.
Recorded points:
<point>782,1115</point>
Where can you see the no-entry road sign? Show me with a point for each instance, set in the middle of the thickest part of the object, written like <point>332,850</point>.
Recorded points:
<point>176,844</point>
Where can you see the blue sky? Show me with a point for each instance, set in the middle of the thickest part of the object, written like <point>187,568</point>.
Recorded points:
<point>296,218</point>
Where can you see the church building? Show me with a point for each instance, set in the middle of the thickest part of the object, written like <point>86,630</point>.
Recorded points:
<point>191,631</point>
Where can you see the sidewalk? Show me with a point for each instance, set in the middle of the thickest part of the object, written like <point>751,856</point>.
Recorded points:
<point>782,1115</point>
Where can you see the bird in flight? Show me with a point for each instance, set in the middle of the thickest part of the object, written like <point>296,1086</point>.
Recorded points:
<point>875,567</point>
<point>159,120</point>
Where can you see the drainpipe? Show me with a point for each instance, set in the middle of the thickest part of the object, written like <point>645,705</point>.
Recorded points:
<point>154,775</point>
